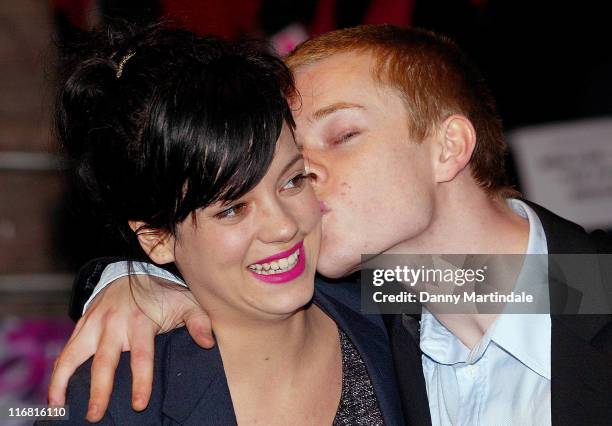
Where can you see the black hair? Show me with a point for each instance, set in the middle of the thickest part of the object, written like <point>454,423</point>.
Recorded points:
<point>160,122</point>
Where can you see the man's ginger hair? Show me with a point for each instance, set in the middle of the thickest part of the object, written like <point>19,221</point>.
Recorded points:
<point>435,80</point>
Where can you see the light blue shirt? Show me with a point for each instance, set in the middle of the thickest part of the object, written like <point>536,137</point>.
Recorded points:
<point>116,270</point>
<point>505,378</point>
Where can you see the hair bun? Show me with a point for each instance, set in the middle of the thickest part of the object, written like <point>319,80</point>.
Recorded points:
<point>88,96</point>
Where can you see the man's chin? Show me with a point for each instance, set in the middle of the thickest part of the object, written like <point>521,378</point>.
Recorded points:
<point>335,268</point>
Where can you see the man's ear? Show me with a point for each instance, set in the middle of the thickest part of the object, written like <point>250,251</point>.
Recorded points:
<point>455,144</point>
<point>156,243</point>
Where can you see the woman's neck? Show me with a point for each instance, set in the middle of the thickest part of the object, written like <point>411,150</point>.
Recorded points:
<point>282,366</point>
<point>259,342</point>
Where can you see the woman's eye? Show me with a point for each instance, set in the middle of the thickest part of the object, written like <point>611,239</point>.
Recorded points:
<point>345,137</point>
<point>231,212</point>
<point>296,182</point>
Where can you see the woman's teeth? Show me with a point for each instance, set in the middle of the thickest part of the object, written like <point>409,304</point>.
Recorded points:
<point>277,266</point>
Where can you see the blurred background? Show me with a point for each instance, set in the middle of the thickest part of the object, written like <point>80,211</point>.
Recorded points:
<point>549,66</point>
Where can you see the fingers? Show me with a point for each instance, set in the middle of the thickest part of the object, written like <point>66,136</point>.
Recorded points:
<point>199,326</point>
<point>78,349</point>
<point>77,328</point>
<point>142,343</point>
<point>65,366</point>
<point>103,372</point>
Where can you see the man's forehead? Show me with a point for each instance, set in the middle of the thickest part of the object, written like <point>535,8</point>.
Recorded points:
<point>337,60</point>
<point>330,85</point>
<point>337,68</point>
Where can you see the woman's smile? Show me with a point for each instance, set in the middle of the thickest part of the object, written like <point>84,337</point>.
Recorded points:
<point>281,267</point>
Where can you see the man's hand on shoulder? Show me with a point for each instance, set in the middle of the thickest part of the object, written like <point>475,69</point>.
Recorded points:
<point>126,316</point>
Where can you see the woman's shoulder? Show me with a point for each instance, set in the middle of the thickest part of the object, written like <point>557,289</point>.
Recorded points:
<point>346,295</point>
<point>119,410</point>
<point>176,379</point>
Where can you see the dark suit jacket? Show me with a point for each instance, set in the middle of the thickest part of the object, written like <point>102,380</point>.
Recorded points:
<point>581,387</point>
<point>190,387</point>
<point>581,345</point>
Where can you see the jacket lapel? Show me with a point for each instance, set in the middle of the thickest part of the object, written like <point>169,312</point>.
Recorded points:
<point>196,387</point>
<point>404,337</point>
<point>581,374</point>
<point>581,382</point>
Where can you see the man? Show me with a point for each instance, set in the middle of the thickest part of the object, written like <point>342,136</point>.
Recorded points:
<point>406,154</point>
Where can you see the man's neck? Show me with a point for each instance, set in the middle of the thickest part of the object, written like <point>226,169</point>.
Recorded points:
<point>469,221</point>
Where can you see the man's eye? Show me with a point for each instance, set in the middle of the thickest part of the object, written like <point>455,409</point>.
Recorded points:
<point>231,212</point>
<point>296,181</point>
<point>345,137</point>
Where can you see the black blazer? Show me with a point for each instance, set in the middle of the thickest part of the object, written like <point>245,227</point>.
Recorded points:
<point>190,386</point>
<point>581,345</point>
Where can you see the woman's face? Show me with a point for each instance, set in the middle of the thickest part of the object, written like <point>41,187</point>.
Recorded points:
<point>255,256</point>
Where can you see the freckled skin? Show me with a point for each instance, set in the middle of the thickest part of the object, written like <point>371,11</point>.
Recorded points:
<point>390,175</point>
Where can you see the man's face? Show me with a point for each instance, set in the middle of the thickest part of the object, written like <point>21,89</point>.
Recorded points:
<point>375,184</point>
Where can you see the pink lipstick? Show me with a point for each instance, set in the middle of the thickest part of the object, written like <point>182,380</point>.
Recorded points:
<point>282,277</point>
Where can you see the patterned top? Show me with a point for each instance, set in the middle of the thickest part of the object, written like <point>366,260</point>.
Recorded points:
<point>358,402</point>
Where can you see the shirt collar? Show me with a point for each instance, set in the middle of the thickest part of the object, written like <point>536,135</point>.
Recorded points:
<point>438,343</point>
<point>524,336</point>
<point>527,337</point>
<point>537,238</point>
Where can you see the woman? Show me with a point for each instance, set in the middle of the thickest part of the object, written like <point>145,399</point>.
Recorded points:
<point>187,144</point>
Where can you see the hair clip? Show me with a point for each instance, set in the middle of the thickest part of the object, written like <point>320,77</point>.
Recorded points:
<point>123,62</point>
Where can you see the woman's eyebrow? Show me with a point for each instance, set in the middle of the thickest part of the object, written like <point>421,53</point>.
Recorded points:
<point>295,159</point>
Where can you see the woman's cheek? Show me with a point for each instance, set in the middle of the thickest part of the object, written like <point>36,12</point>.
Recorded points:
<point>230,245</point>
<point>308,209</point>
<point>210,246</point>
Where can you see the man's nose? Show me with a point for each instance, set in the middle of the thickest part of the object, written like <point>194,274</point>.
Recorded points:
<point>317,172</point>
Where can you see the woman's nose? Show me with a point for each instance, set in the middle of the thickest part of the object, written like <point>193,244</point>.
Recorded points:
<point>279,225</point>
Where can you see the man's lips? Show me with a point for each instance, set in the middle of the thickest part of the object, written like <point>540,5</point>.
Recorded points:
<point>323,207</point>
<point>281,254</point>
